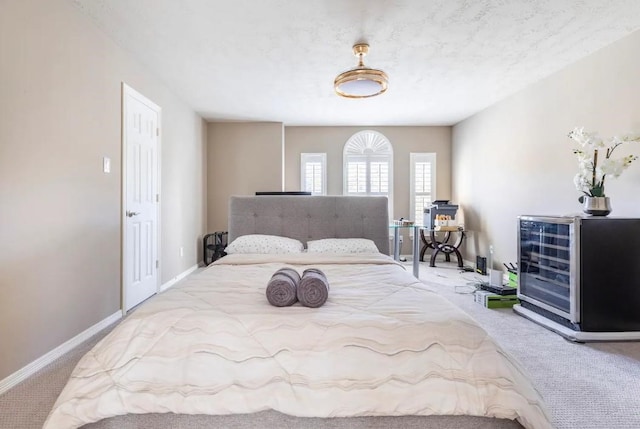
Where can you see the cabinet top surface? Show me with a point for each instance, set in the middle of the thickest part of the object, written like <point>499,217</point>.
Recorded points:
<point>571,218</point>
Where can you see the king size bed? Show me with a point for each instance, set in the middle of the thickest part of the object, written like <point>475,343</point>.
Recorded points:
<point>385,350</point>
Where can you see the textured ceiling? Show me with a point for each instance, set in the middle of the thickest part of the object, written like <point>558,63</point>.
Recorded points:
<point>275,60</point>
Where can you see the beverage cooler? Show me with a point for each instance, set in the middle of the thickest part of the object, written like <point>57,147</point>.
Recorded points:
<point>580,276</point>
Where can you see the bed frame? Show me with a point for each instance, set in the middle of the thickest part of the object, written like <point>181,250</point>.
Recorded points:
<point>308,218</point>
<point>274,419</point>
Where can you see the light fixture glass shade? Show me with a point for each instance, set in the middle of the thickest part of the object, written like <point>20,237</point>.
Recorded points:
<point>361,81</point>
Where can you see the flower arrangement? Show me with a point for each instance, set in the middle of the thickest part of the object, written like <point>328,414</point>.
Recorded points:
<point>593,169</point>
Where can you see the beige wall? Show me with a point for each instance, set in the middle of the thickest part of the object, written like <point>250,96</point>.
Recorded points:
<point>243,157</point>
<point>247,157</point>
<point>60,110</point>
<point>515,158</point>
<point>404,141</point>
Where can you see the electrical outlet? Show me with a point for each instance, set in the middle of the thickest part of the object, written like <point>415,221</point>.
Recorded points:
<point>181,252</point>
<point>491,249</point>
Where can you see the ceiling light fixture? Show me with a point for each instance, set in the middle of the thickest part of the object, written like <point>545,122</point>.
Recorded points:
<point>361,81</point>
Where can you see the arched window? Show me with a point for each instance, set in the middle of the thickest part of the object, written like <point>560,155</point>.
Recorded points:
<point>368,166</point>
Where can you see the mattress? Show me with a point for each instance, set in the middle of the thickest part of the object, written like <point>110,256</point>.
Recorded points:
<point>384,344</point>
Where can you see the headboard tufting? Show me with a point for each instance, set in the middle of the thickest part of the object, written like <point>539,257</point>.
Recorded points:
<point>311,217</point>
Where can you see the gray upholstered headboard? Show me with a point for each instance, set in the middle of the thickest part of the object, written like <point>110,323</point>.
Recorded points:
<point>311,217</point>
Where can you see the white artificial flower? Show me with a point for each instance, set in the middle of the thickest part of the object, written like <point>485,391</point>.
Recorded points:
<point>595,163</point>
<point>582,155</point>
<point>582,182</point>
<point>594,140</point>
<point>631,137</point>
<point>611,167</point>
<point>616,140</point>
<point>627,160</point>
<point>585,164</point>
<point>586,139</point>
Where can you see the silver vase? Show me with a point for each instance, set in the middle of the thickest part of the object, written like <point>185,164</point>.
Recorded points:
<point>597,206</point>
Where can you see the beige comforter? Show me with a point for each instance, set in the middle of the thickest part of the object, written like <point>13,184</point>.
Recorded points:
<point>383,344</point>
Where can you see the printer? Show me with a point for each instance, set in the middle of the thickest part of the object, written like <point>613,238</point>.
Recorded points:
<point>438,207</point>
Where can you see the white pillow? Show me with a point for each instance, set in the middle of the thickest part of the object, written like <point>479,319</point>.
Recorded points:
<point>342,245</point>
<point>261,243</point>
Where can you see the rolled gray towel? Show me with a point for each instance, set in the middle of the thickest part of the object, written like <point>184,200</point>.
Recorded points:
<point>313,289</point>
<point>282,288</point>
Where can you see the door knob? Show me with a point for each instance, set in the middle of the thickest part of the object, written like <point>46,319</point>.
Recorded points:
<point>132,214</point>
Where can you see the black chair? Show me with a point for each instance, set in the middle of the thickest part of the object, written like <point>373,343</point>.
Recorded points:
<point>213,246</point>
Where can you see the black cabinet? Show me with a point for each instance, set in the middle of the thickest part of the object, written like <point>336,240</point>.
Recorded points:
<point>610,275</point>
<point>580,276</point>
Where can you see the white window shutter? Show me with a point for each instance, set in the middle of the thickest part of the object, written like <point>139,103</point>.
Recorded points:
<point>422,183</point>
<point>368,166</point>
<point>313,173</point>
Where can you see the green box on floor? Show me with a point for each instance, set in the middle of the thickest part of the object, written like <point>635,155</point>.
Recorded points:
<point>492,300</point>
<point>513,279</point>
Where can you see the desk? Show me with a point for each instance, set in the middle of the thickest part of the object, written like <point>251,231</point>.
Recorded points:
<point>396,239</point>
<point>441,246</point>
<point>416,245</point>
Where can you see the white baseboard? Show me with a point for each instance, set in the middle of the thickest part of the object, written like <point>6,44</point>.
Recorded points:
<point>41,362</point>
<point>177,278</point>
<point>471,264</point>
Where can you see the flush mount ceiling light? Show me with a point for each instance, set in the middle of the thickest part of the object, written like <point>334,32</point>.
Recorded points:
<point>361,81</point>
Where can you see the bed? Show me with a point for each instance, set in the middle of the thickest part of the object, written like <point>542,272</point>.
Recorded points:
<point>385,350</point>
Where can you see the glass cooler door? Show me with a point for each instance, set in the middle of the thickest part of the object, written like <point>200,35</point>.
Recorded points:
<point>545,263</point>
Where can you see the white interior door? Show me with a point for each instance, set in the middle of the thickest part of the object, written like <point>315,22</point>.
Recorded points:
<point>141,131</point>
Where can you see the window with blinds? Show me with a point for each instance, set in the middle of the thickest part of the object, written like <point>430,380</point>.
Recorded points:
<point>422,183</point>
<point>368,161</point>
<point>313,173</point>
<point>357,177</point>
<point>379,177</point>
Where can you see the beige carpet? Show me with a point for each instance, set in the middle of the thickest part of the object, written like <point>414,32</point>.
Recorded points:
<point>27,405</point>
<point>586,386</point>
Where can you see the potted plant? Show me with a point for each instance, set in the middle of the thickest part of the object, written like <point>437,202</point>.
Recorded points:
<point>595,164</point>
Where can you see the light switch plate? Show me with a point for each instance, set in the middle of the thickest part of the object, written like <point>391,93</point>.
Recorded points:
<point>106,165</point>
